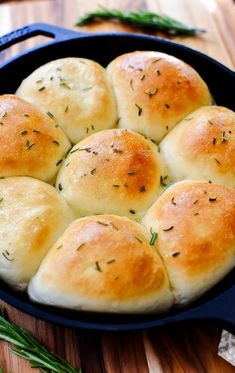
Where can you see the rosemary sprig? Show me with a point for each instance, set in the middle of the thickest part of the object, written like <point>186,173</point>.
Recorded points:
<point>29,348</point>
<point>143,19</point>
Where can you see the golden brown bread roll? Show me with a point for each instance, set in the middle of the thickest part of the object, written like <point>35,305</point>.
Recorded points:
<point>154,91</point>
<point>202,146</point>
<point>114,171</point>
<point>32,216</point>
<point>195,223</point>
<point>103,263</point>
<point>76,92</point>
<point>30,142</point>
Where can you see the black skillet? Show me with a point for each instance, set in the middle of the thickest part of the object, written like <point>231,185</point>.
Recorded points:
<point>219,303</point>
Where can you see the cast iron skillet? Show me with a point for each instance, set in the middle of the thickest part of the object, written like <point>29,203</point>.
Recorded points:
<point>219,303</point>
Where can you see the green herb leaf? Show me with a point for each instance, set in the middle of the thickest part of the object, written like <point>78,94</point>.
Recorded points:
<point>143,19</point>
<point>29,348</point>
<point>153,238</point>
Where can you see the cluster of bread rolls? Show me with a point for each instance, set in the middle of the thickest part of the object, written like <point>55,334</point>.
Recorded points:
<point>102,229</point>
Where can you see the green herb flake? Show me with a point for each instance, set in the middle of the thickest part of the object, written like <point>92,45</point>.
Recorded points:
<point>6,255</point>
<point>1,199</point>
<point>217,161</point>
<point>213,141</point>
<point>26,115</point>
<point>111,261</point>
<point>65,85</point>
<point>28,145</point>
<point>138,239</point>
<point>156,60</point>
<point>59,247</point>
<point>39,81</point>
<point>177,253</point>
<point>131,84</point>
<point>162,182</point>
<point>92,127</point>
<point>59,162</point>
<point>86,89</point>
<point>212,199</point>
<point>41,89</point>
<point>97,266</point>
<point>142,77</point>
<point>56,142</point>
<point>80,246</point>
<point>66,109</point>
<point>92,171</point>
<point>167,106</point>
<point>168,229</point>
<point>173,201</point>
<point>23,132</point>
<point>140,110</point>
<point>142,189</point>
<point>210,122</point>
<point>60,187</point>
<point>131,172</point>
<point>117,150</point>
<point>224,137</point>
<point>113,226</point>
<point>116,185</point>
<point>154,236</point>
<point>195,202</point>
<point>132,211</point>
<point>102,223</point>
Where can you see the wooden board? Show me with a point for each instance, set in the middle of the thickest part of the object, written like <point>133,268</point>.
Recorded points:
<point>190,348</point>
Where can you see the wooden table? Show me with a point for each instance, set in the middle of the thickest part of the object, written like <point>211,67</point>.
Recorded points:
<point>179,348</point>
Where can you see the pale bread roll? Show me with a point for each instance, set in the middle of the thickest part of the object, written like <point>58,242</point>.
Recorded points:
<point>154,91</point>
<point>30,142</point>
<point>76,92</point>
<point>103,263</point>
<point>195,223</point>
<point>202,147</point>
<point>32,216</point>
<point>114,171</point>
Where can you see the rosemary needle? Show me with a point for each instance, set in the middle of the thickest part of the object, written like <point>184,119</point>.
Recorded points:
<point>143,19</point>
<point>29,348</point>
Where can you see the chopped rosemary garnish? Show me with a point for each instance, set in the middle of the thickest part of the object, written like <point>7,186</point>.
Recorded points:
<point>28,145</point>
<point>156,60</point>
<point>26,115</point>
<point>151,93</point>
<point>153,237</point>
<point>131,84</point>
<point>212,199</point>
<point>173,201</point>
<point>138,239</point>
<point>88,150</point>
<point>36,131</point>
<point>142,189</point>
<point>195,202</point>
<point>114,226</point>
<point>117,150</point>
<point>209,121</point>
<point>97,266</point>
<point>217,161</point>
<point>92,127</point>
<point>6,256</point>
<point>92,171</point>
<point>50,115</point>
<point>190,118</point>
<point>139,110</point>
<point>142,77</point>
<point>131,172</point>
<point>86,89</point>
<point>41,89</point>
<point>65,85</point>
<point>66,109</point>
<point>39,81</point>
<point>167,106</point>
<point>174,255</point>
<point>132,211</point>
<point>116,185</point>
<point>59,162</point>
<point>214,141</point>
<point>80,246</point>
<point>23,132</point>
<point>111,261</point>
<point>162,182</point>
<point>102,223</point>
<point>60,186</point>
<point>224,137</point>
<point>168,229</point>
<point>56,142</point>
<point>59,247</point>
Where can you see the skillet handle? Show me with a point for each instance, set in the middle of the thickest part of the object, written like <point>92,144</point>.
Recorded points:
<point>221,309</point>
<point>23,33</point>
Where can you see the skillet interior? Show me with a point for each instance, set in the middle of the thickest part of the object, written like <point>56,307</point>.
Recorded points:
<point>219,302</point>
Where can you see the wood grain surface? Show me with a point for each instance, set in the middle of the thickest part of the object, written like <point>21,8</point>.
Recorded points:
<point>182,348</point>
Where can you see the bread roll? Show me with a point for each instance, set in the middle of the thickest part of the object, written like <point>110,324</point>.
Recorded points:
<point>154,91</point>
<point>103,263</point>
<point>195,223</point>
<point>32,216</point>
<point>30,142</point>
<point>114,171</point>
<point>76,92</point>
<point>202,147</point>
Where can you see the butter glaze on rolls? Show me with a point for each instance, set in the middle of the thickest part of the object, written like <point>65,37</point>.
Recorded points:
<point>195,223</point>
<point>202,147</point>
<point>76,92</point>
<point>154,91</point>
<point>114,171</point>
<point>32,216</point>
<point>103,263</point>
<point>30,142</point>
